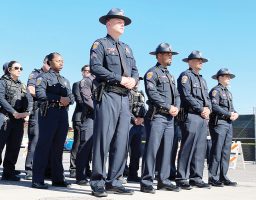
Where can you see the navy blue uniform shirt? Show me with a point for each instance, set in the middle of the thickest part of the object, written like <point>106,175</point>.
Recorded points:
<point>160,88</point>
<point>222,103</point>
<point>86,87</point>
<point>105,61</point>
<point>50,86</point>
<point>32,77</point>
<point>193,91</point>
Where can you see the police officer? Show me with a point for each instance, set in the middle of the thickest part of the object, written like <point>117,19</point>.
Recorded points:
<point>196,107</point>
<point>114,66</point>
<point>15,106</point>
<point>54,95</point>
<point>87,116</point>
<point>164,103</point>
<point>76,119</point>
<point>137,130</point>
<point>221,130</point>
<point>33,128</point>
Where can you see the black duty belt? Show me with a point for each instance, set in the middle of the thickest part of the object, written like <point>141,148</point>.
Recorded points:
<point>117,89</point>
<point>224,118</point>
<point>56,105</point>
<point>163,111</point>
<point>190,110</point>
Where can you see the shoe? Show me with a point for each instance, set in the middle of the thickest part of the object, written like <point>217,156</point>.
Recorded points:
<point>10,177</point>
<point>82,182</point>
<point>72,173</point>
<point>122,179</point>
<point>147,189</point>
<point>199,184</point>
<point>17,172</point>
<point>134,179</point>
<point>88,173</point>
<point>215,183</point>
<point>39,185</point>
<point>61,184</point>
<point>229,183</point>
<point>28,175</point>
<point>184,185</point>
<point>119,190</point>
<point>99,192</point>
<point>170,187</point>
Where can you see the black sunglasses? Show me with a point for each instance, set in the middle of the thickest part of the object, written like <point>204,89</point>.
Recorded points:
<point>18,68</point>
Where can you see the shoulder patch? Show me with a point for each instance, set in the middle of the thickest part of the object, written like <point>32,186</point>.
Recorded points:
<point>38,81</point>
<point>184,79</point>
<point>31,76</point>
<point>95,45</point>
<point>214,92</point>
<point>149,75</point>
<point>127,50</point>
<point>24,88</point>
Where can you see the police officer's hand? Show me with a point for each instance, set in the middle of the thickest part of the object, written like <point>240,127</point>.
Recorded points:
<point>174,111</point>
<point>234,116</point>
<point>206,112</point>
<point>64,101</point>
<point>128,82</point>
<point>138,121</point>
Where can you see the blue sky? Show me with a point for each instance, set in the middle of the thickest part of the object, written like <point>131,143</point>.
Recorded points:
<point>224,31</point>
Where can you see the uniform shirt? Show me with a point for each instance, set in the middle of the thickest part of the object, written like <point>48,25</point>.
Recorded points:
<point>193,91</point>
<point>32,77</point>
<point>160,88</point>
<point>50,86</point>
<point>86,87</point>
<point>79,102</point>
<point>105,61</point>
<point>19,100</point>
<point>222,103</point>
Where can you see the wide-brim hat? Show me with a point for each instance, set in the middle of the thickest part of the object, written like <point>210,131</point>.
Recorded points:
<point>115,13</point>
<point>163,48</point>
<point>195,55</point>
<point>223,71</point>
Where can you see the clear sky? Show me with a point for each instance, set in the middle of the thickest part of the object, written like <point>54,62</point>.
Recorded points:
<point>224,30</point>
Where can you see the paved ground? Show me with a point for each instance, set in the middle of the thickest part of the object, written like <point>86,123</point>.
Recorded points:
<point>246,190</point>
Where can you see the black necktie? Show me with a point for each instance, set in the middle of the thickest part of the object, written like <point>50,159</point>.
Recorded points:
<point>122,60</point>
<point>227,95</point>
<point>203,91</point>
<point>171,86</point>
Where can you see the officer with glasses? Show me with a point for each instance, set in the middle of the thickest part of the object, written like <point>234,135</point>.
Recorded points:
<point>15,106</point>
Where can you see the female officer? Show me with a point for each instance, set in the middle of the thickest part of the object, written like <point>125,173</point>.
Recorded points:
<point>15,106</point>
<point>54,95</point>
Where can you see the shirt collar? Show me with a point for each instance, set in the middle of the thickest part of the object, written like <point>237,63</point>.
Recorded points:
<point>109,37</point>
<point>194,72</point>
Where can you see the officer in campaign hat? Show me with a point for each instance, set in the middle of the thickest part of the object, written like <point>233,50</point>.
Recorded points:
<point>164,103</point>
<point>221,130</point>
<point>113,64</point>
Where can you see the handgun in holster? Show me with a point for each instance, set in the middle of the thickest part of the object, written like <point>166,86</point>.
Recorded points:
<point>182,115</point>
<point>98,92</point>
<point>213,119</point>
<point>151,112</point>
<point>44,108</point>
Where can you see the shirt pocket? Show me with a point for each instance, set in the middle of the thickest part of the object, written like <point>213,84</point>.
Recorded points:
<point>112,57</point>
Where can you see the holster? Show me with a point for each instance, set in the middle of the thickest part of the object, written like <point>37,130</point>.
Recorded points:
<point>43,108</point>
<point>213,119</point>
<point>98,92</point>
<point>182,115</point>
<point>151,112</point>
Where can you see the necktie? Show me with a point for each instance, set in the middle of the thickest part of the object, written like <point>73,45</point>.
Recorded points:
<point>122,60</point>
<point>171,86</point>
<point>203,91</point>
<point>227,95</point>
